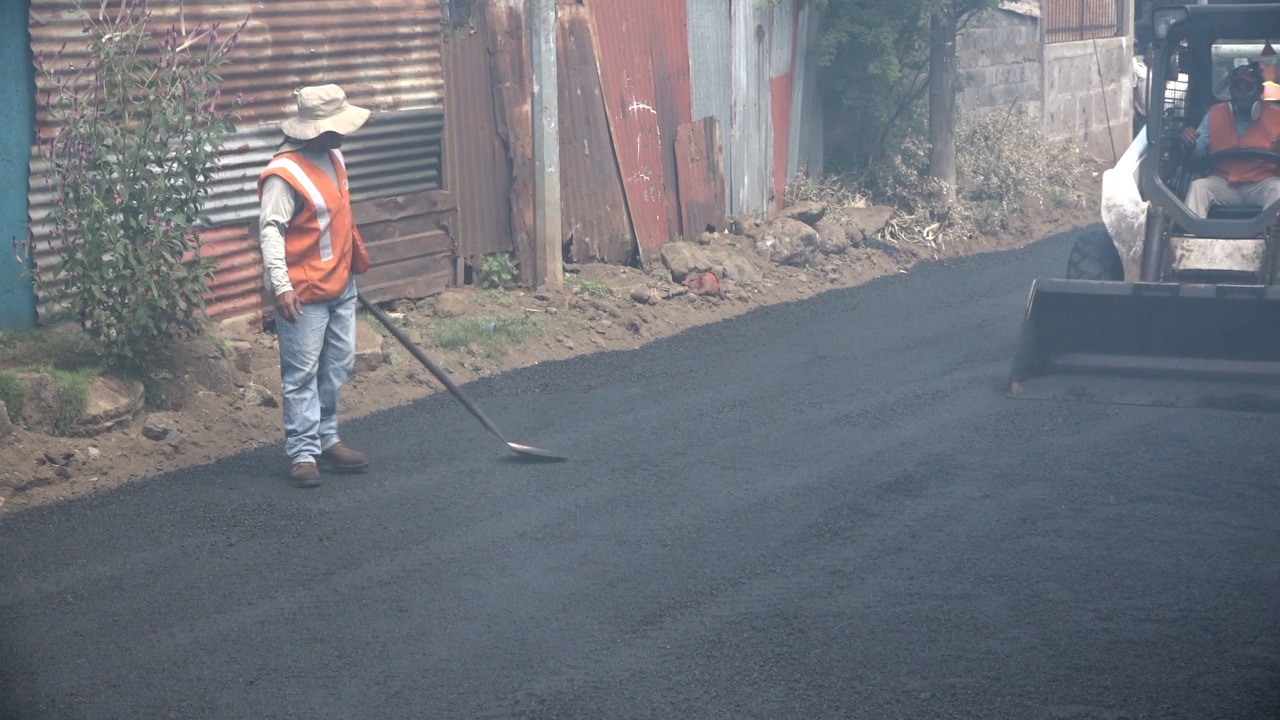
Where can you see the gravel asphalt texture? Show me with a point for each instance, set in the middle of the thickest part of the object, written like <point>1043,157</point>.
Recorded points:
<point>822,509</point>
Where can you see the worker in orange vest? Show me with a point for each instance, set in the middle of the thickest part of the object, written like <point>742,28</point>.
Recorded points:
<point>1244,121</point>
<point>311,252</point>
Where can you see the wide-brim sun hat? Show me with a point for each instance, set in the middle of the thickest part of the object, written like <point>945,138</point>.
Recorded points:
<point>321,109</point>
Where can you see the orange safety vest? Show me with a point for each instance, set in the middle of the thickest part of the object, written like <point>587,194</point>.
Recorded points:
<point>1261,133</point>
<point>318,241</point>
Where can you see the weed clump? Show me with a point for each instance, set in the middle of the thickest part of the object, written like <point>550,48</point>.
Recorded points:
<point>1004,169</point>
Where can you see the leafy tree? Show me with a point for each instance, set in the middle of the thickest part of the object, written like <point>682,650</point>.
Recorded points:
<point>880,60</point>
<point>138,129</point>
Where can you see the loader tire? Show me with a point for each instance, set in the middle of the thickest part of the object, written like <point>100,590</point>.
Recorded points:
<point>1094,257</point>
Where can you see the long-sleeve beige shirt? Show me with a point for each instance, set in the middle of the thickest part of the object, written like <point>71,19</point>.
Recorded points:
<point>279,205</point>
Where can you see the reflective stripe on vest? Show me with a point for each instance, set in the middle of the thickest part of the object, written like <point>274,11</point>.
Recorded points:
<point>317,242</point>
<point>299,180</point>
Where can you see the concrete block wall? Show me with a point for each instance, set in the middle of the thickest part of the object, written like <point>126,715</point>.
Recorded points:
<point>1088,86</point>
<point>999,61</point>
<point>1080,90</point>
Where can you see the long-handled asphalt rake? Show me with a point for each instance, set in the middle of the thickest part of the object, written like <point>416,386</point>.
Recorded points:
<point>527,451</point>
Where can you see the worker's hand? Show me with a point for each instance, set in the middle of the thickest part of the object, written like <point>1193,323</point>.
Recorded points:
<point>1190,135</point>
<point>288,305</point>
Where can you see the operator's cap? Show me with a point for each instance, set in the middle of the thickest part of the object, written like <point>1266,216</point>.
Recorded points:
<point>1245,78</point>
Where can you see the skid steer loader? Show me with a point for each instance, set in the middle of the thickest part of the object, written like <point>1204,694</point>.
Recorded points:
<point>1164,307</point>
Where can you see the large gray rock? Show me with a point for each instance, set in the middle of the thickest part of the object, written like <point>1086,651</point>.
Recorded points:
<point>834,239</point>
<point>867,222</point>
<point>370,351</point>
<point>109,401</point>
<point>787,242</point>
<point>684,259</point>
<point>736,265</point>
<point>808,212</point>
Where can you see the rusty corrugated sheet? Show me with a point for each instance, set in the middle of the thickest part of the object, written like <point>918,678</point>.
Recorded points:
<point>477,168</point>
<point>670,40</point>
<point>594,219</point>
<point>236,288</point>
<point>805,147</point>
<point>385,53</point>
<point>513,101</point>
<point>700,163</point>
<point>780,93</point>
<point>621,34</point>
<point>782,33</point>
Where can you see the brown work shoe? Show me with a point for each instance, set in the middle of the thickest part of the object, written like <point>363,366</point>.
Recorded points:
<point>343,459</point>
<point>305,475</point>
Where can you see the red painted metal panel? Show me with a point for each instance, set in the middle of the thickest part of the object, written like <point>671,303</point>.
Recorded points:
<point>513,100</point>
<point>236,288</point>
<point>476,165</point>
<point>780,92</point>
<point>700,160</point>
<point>621,33</point>
<point>671,80</point>
<point>594,219</point>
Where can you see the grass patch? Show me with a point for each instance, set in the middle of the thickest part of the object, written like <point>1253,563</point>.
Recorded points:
<point>491,296</point>
<point>73,390</point>
<point>594,288</point>
<point>488,336</point>
<point>13,393</point>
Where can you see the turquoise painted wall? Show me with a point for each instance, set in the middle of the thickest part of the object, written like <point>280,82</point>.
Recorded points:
<point>17,110</point>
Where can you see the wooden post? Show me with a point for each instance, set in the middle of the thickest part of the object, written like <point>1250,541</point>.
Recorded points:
<point>549,262</point>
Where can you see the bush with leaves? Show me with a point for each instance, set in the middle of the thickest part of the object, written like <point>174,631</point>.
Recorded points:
<point>499,271</point>
<point>138,131</point>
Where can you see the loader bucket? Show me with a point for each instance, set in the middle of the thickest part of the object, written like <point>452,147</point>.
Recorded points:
<point>1175,344</point>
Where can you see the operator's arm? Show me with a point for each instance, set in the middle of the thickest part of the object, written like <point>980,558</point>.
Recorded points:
<point>279,202</point>
<point>1202,140</point>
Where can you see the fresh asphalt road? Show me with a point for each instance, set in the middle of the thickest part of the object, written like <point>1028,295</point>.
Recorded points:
<point>825,509</point>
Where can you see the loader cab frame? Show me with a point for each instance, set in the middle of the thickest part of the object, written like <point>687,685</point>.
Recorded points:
<point>1197,330</point>
<point>1200,42</point>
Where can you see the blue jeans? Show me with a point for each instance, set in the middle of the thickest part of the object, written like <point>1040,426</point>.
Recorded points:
<point>317,353</point>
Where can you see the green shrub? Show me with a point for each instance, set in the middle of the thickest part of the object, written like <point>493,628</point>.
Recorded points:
<point>139,129</point>
<point>499,271</point>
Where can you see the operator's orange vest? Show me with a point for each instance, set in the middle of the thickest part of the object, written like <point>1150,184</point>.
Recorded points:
<point>317,243</point>
<point>1261,133</point>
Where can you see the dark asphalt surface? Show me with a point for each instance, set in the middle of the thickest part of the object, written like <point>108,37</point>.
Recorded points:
<point>825,509</point>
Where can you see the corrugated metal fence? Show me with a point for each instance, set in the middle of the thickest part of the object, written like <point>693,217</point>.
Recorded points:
<point>637,81</point>
<point>385,53</point>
